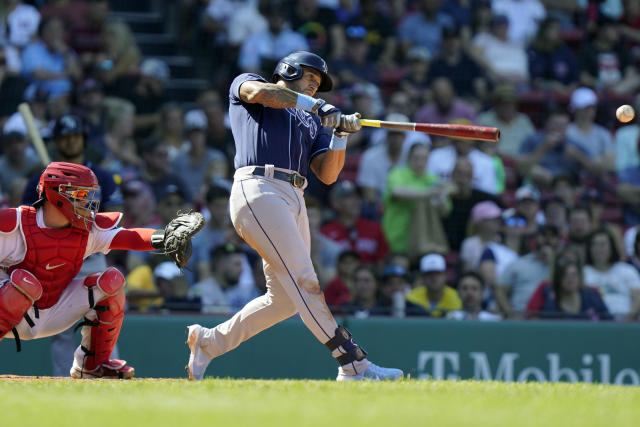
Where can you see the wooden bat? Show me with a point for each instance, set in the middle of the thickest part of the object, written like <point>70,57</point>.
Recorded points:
<point>481,133</point>
<point>34,134</point>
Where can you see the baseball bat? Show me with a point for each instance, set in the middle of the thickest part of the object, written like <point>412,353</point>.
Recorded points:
<point>33,132</point>
<point>482,133</point>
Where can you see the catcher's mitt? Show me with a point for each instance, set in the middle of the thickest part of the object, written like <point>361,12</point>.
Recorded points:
<point>175,239</point>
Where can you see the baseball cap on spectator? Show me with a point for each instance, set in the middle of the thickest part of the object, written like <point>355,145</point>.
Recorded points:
<point>419,53</point>
<point>356,32</point>
<point>170,189</point>
<point>432,262</point>
<point>36,93</point>
<point>166,270</point>
<point>195,120</point>
<point>485,210</point>
<point>583,97</point>
<point>89,85</point>
<point>157,68</point>
<point>527,193</point>
<point>134,187</point>
<point>393,270</point>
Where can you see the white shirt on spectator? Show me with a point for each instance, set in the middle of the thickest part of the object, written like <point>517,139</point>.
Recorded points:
<point>524,17</point>
<point>240,18</point>
<point>615,285</point>
<point>506,59</point>
<point>266,45</point>
<point>597,142</point>
<point>442,160</point>
<point>484,316</point>
<point>215,299</point>
<point>374,168</point>
<point>626,146</point>
<point>22,24</point>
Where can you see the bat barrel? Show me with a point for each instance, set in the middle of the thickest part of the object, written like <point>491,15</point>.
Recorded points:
<point>483,133</point>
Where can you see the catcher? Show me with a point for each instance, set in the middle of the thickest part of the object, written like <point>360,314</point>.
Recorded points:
<point>41,251</point>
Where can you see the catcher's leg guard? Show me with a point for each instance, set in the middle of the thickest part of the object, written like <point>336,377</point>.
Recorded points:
<point>21,291</point>
<point>100,333</point>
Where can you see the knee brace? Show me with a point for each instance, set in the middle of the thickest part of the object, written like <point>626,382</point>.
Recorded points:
<point>110,282</point>
<point>19,293</point>
<point>343,338</point>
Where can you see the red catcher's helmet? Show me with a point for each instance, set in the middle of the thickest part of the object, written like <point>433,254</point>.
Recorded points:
<point>73,189</point>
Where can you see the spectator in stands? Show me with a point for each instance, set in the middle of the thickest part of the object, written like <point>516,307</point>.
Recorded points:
<point>171,128</point>
<point>552,64</point>
<point>443,159</point>
<point>381,32</point>
<point>467,77</point>
<point>37,97</point>
<point>446,105</point>
<point>433,296</point>
<point>377,161</point>
<point>163,290</point>
<point>542,155</point>
<point>564,186</point>
<point>494,260</point>
<point>139,205</point>
<point>356,65</point>
<point>120,58</point>
<point>89,99</point>
<point>87,36</point>
<point>424,27</point>
<point>213,233</point>
<point>350,230</point>
<point>605,62</point>
<point>121,152</point>
<point>515,127</point>
<point>470,288</point>
<point>196,162</point>
<point>626,145</point>
<point>157,170</point>
<point>318,25</point>
<point>412,194</point>
<point>463,199</point>
<point>218,134</point>
<point>504,61</point>
<point>16,162</point>
<point>592,145</point>
<point>49,62</point>
<point>19,28</point>
<point>580,226</point>
<point>521,221</point>
<point>486,219</point>
<point>595,200</point>
<point>567,297</point>
<point>630,27</point>
<point>633,253</point>
<point>556,214</point>
<point>339,291</point>
<point>524,18</point>
<point>520,279</point>
<point>393,291</point>
<point>364,302</point>
<point>262,49</point>
<point>416,82</point>
<point>12,86</point>
<point>618,282</point>
<point>221,292</point>
<point>324,251</point>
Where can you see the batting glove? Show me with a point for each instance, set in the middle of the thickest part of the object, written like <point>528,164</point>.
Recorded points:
<point>329,114</point>
<point>349,123</point>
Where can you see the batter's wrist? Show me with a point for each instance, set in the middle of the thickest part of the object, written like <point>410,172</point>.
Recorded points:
<point>306,102</point>
<point>338,142</point>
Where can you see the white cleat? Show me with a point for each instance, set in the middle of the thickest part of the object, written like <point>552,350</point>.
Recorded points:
<point>373,373</point>
<point>198,360</point>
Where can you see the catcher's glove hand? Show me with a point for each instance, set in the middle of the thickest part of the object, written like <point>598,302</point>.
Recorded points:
<point>175,239</point>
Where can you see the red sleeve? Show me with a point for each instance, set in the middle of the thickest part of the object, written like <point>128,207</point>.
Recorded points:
<point>537,300</point>
<point>137,239</point>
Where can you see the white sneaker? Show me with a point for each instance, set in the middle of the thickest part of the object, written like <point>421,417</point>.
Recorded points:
<point>373,373</point>
<point>198,360</point>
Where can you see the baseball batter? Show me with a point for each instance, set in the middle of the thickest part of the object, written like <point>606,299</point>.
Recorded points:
<point>279,136</point>
<point>42,248</point>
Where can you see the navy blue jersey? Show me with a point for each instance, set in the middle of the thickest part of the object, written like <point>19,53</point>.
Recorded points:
<point>287,138</point>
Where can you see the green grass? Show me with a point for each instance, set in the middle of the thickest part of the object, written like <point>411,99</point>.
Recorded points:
<point>224,402</point>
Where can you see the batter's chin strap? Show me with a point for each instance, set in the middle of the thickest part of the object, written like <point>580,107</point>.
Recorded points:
<point>343,338</point>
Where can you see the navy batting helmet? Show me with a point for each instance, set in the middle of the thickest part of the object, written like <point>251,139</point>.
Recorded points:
<point>290,68</point>
<point>68,124</point>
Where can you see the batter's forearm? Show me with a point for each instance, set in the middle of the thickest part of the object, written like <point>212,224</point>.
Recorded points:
<point>268,94</point>
<point>327,166</point>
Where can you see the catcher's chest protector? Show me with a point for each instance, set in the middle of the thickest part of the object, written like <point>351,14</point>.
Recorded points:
<point>54,256</point>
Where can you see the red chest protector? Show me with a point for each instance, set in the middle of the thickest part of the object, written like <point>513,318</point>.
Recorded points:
<point>54,256</point>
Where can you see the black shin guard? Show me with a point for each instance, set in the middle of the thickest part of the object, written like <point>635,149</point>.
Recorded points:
<point>343,338</point>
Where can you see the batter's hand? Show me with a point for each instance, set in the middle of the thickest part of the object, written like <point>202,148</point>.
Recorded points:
<point>329,114</point>
<point>349,123</point>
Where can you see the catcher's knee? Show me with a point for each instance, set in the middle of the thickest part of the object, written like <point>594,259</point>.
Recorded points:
<point>17,294</point>
<point>110,282</point>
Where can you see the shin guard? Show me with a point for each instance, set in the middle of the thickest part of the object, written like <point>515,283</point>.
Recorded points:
<point>16,296</point>
<point>344,341</point>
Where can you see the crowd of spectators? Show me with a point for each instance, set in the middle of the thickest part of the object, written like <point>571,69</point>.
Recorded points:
<point>542,224</point>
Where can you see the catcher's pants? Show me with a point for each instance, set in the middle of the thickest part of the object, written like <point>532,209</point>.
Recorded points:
<point>72,306</point>
<point>271,216</point>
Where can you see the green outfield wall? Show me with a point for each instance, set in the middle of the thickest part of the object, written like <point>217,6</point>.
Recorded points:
<point>423,348</point>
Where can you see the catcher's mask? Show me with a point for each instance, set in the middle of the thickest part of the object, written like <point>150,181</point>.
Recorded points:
<point>73,189</point>
<point>290,68</point>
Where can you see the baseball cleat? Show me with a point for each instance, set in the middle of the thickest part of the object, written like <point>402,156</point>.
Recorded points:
<point>198,360</point>
<point>373,373</point>
<point>115,369</point>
